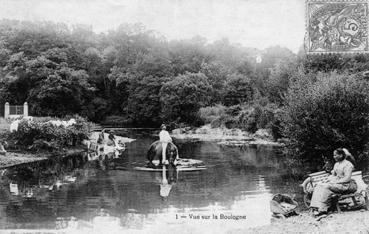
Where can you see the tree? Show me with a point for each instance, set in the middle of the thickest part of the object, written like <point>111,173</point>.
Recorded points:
<point>322,63</point>
<point>279,80</point>
<point>96,109</point>
<point>217,74</point>
<point>187,55</point>
<point>143,106</point>
<point>182,97</point>
<point>325,114</point>
<point>64,92</point>
<point>238,90</point>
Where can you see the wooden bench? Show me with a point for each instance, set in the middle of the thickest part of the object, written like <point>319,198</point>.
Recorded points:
<point>339,199</point>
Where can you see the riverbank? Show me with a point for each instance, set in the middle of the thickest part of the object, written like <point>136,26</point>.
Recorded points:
<point>17,158</point>
<point>224,136</point>
<point>345,222</point>
<point>95,135</point>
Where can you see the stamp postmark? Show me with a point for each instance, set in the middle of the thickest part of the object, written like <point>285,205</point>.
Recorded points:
<point>338,26</point>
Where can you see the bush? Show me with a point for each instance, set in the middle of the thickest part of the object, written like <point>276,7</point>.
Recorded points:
<point>115,121</point>
<point>144,106</point>
<point>210,113</point>
<point>238,90</point>
<point>266,115</point>
<point>325,114</point>
<point>182,97</point>
<point>40,136</point>
<point>96,109</point>
<point>275,125</point>
<point>225,121</point>
<point>233,110</point>
<point>248,119</point>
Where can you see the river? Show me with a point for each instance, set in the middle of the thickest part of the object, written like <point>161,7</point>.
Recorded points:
<point>85,195</point>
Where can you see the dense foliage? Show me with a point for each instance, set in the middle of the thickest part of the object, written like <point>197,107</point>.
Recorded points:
<point>183,96</point>
<point>130,72</point>
<point>324,114</point>
<point>247,117</point>
<point>132,76</point>
<point>44,135</point>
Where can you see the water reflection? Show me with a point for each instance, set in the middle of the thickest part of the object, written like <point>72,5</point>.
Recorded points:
<point>167,183</point>
<point>95,193</point>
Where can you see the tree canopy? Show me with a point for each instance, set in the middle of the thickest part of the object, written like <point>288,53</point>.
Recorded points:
<point>132,76</point>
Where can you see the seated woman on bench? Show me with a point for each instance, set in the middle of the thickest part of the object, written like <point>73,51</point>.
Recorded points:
<point>339,182</point>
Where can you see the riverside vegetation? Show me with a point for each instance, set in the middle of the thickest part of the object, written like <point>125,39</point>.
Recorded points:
<point>42,135</point>
<point>133,77</point>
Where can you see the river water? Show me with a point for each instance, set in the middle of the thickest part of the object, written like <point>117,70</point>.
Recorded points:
<point>84,194</point>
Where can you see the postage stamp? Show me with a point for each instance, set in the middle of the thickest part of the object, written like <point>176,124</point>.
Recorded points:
<point>338,26</point>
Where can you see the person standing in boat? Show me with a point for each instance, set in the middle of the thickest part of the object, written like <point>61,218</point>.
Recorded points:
<point>164,138</point>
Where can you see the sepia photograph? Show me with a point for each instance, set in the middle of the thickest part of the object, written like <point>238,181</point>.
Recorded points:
<point>184,116</point>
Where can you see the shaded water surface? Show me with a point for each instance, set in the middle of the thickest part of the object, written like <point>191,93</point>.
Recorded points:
<point>87,193</point>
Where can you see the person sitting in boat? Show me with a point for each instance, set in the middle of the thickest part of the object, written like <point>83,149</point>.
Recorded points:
<point>164,138</point>
<point>339,182</point>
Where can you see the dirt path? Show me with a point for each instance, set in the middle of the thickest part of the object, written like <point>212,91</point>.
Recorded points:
<point>345,222</point>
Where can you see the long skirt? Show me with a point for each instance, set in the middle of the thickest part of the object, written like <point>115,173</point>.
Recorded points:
<point>323,193</point>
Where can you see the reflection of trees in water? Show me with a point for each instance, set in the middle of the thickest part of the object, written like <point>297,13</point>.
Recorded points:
<point>94,189</point>
<point>253,155</point>
<point>230,173</point>
<point>236,170</point>
<point>47,171</point>
<point>37,177</point>
<point>30,212</point>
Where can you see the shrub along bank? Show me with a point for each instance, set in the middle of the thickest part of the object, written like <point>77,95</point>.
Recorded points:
<point>325,112</point>
<point>45,135</point>
<point>247,117</point>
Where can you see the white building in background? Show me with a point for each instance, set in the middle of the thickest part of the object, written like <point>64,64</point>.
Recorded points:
<point>15,111</point>
<point>258,58</point>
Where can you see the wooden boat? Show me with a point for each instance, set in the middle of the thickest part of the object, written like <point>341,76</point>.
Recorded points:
<point>283,205</point>
<point>183,164</point>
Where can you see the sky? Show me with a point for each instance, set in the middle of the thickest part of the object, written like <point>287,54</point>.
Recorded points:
<point>251,23</point>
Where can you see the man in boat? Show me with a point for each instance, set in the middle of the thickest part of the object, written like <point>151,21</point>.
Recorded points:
<point>164,138</point>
